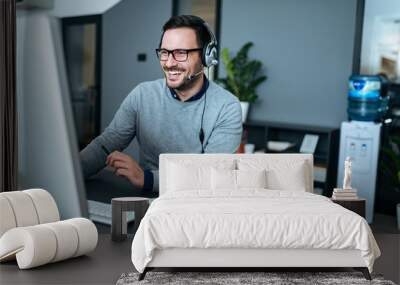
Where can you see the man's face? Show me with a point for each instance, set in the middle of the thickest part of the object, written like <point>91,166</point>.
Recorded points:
<point>177,72</point>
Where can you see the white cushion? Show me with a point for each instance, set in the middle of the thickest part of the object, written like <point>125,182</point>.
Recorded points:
<point>23,208</point>
<point>237,179</point>
<point>223,179</point>
<point>188,175</point>
<point>32,246</point>
<point>66,237</point>
<point>45,206</point>
<point>87,233</point>
<point>251,178</point>
<point>40,244</point>
<point>7,218</point>
<point>292,179</point>
<point>281,174</point>
<point>26,208</point>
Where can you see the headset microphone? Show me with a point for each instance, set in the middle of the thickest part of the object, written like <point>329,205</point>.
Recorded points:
<point>192,76</point>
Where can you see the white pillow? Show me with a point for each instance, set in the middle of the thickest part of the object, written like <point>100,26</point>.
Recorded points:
<point>223,179</point>
<point>293,179</point>
<point>237,179</point>
<point>186,175</point>
<point>251,179</point>
<point>280,174</point>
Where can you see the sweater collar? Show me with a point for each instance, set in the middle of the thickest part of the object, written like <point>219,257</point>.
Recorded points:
<point>195,97</point>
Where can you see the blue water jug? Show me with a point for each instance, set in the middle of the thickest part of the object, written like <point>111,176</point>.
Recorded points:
<point>365,99</point>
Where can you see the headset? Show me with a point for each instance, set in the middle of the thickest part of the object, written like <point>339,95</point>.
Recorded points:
<point>208,58</point>
<point>209,54</point>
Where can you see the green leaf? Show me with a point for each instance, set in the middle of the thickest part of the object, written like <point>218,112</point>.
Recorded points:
<point>243,76</point>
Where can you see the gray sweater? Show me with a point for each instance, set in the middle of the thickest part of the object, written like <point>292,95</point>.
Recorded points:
<point>163,124</point>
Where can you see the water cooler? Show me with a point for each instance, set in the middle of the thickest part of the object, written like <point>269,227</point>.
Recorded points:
<point>360,136</point>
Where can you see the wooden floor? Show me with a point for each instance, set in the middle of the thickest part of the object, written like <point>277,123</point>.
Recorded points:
<point>110,260</point>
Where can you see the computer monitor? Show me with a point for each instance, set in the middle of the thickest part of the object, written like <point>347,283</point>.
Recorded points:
<point>48,150</point>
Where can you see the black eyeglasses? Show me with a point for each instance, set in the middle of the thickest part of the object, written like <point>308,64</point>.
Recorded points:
<point>177,54</point>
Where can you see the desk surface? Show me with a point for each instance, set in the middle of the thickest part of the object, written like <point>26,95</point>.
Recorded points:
<point>102,266</point>
<point>105,185</point>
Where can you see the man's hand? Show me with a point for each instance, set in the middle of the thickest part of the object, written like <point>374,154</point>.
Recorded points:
<point>126,166</point>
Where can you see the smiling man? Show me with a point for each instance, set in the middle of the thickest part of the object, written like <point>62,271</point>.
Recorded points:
<point>183,113</point>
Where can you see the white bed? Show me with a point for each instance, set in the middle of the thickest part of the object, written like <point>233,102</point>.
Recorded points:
<point>219,210</point>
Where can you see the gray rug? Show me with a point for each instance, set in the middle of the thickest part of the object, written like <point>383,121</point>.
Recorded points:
<point>242,278</point>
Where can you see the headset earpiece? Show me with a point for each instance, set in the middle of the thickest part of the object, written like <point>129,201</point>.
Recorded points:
<point>209,54</point>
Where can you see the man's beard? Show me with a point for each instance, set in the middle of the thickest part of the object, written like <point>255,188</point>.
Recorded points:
<point>185,84</point>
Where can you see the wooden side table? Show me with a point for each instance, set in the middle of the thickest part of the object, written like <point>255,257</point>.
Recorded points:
<point>120,206</point>
<point>356,205</point>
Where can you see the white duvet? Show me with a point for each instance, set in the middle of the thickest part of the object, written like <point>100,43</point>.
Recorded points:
<point>253,218</point>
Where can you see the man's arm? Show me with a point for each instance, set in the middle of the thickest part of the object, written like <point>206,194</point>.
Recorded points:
<point>116,136</point>
<point>227,134</point>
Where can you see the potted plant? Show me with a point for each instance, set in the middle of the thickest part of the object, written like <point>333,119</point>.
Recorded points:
<point>391,167</point>
<point>243,76</point>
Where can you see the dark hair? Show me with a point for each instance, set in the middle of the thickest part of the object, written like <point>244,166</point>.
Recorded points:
<point>188,21</point>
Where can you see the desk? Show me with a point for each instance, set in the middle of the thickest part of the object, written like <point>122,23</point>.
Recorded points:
<point>105,185</point>
<point>102,266</point>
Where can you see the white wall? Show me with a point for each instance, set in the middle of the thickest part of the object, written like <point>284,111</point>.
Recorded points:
<point>46,154</point>
<point>374,9</point>
<point>72,8</point>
